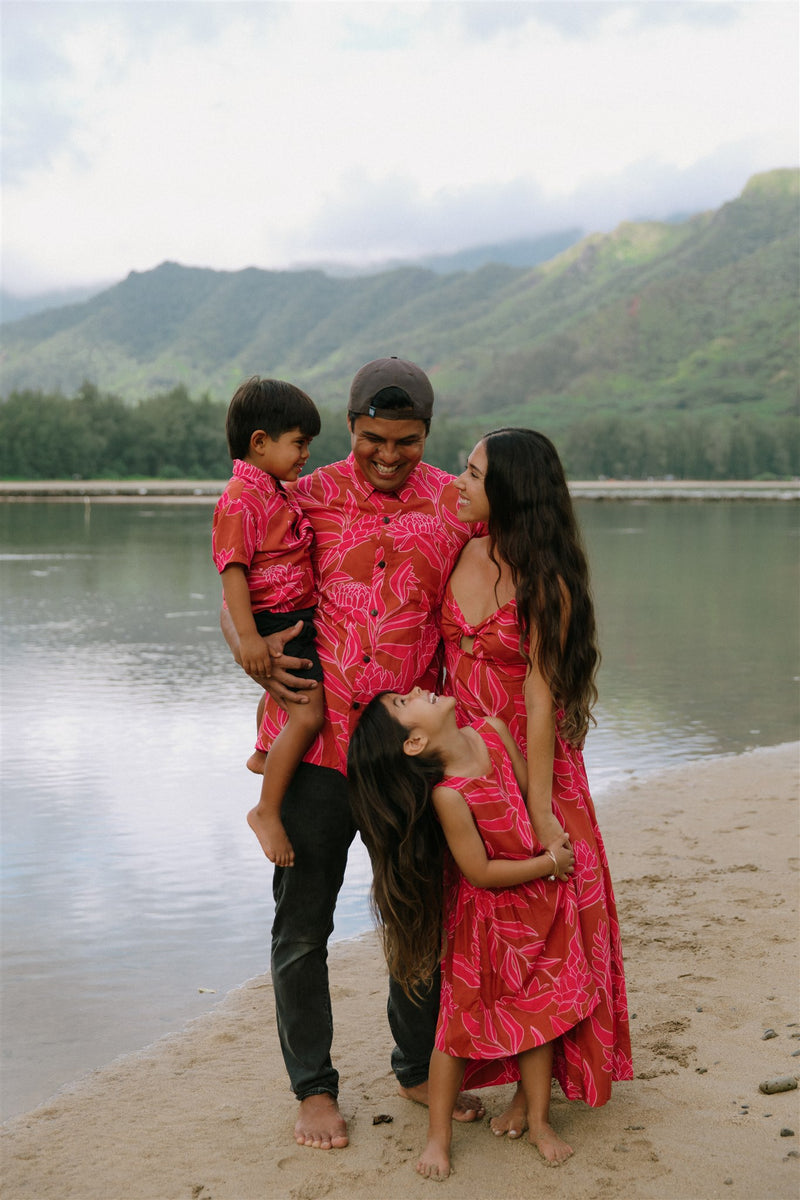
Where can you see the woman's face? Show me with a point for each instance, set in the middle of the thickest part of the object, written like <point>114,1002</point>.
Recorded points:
<point>472,503</point>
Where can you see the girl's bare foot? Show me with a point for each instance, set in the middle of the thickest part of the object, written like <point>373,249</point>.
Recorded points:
<point>320,1124</point>
<point>553,1149</point>
<point>272,837</point>
<point>256,762</point>
<point>434,1162</point>
<point>514,1121</point>
<point>467,1108</point>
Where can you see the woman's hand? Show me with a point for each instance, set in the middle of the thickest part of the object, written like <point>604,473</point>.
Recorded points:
<point>548,829</point>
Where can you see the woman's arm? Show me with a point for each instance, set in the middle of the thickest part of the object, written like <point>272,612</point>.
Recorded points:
<point>541,737</point>
<point>518,763</point>
<point>469,851</point>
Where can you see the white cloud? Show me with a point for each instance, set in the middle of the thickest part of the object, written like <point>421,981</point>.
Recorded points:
<point>261,134</point>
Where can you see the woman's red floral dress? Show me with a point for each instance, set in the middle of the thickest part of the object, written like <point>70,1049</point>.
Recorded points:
<point>489,681</point>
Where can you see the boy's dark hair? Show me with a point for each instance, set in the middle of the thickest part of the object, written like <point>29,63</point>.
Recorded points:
<point>271,405</point>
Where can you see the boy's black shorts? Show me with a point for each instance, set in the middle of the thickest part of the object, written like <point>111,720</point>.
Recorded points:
<point>304,646</point>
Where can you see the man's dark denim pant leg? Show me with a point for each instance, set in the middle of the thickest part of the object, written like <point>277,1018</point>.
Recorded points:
<point>413,1026</point>
<point>316,814</point>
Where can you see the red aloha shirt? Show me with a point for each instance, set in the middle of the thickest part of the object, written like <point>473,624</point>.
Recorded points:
<point>259,524</point>
<point>381,561</point>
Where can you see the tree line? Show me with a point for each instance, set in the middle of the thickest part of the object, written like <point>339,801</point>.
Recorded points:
<point>94,435</point>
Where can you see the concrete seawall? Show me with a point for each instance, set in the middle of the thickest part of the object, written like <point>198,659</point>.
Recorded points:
<point>206,491</point>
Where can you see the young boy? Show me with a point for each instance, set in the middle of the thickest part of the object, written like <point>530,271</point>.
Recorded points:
<point>261,546</point>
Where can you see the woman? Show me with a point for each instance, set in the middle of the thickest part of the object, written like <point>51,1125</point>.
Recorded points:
<point>520,644</point>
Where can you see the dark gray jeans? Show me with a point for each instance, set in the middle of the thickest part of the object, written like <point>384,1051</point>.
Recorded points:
<point>317,817</point>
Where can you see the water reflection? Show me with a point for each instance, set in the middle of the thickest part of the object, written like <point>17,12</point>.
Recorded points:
<point>130,878</point>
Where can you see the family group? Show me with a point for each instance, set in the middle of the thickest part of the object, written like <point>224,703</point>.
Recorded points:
<point>427,651</point>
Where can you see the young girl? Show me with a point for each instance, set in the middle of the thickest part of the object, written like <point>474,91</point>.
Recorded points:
<point>514,975</point>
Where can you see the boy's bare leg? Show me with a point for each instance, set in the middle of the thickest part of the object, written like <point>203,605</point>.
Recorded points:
<point>256,762</point>
<point>466,1108</point>
<point>536,1071</point>
<point>514,1119</point>
<point>320,1124</point>
<point>286,753</point>
<point>258,759</point>
<point>446,1074</point>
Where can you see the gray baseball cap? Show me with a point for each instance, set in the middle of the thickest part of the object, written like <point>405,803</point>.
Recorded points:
<point>391,372</point>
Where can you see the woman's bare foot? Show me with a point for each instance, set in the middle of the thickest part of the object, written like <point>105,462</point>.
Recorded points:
<point>514,1121</point>
<point>434,1162</point>
<point>320,1124</point>
<point>256,762</point>
<point>467,1107</point>
<point>272,837</point>
<point>553,1149</point>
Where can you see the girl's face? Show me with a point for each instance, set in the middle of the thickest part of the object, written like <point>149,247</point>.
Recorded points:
<point>420,709</point>
<point>473,505</point>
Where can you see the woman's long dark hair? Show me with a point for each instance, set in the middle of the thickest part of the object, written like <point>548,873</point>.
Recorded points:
<point>390,799</point>
<point>532,527</point>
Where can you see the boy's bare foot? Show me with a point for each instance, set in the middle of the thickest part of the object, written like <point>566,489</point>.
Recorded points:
<point>256,762</point>
<point>514,1121</point>
<point>467,1107</point>
<point>320,1124</point>
<point>553,1149</point>
<point>434,1162</point>
<point>272,837</point>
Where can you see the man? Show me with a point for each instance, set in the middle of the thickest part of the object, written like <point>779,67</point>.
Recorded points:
<point>386,539</point>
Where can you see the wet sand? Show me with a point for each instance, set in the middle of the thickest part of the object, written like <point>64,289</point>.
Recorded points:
<point>705,862</point>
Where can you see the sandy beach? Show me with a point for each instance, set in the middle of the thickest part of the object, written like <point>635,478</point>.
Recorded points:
<point>705,862</point>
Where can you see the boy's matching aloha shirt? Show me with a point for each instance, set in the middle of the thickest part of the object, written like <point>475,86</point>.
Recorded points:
<point>259,525</point>
<point>381,561</point>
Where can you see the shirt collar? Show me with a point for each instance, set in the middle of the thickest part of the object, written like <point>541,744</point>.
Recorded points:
<point>252,474</point>
<point>368,491</point>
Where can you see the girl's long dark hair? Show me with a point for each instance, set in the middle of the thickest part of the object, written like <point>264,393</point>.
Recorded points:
<point>390,799</point>
<point>532,527</point>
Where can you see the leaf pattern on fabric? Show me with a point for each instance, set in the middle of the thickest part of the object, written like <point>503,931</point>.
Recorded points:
<point>381,561</point>
<point>259,525</point>
<point>595,1051</point>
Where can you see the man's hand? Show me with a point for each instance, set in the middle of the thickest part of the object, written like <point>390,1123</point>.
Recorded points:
<point>279,680</point>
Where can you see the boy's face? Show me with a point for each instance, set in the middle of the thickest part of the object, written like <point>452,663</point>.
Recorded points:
<point>387,451</point>
<point>283,457</point>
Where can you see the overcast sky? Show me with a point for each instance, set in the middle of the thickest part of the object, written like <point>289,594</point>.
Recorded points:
<point>226,134</point>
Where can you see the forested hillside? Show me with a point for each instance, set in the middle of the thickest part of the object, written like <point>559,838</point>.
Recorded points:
<point>659,348</point>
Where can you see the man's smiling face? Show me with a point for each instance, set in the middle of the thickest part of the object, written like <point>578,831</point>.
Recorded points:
<point>387,451</point>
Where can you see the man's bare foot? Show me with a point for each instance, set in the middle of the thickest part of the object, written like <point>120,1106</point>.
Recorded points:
<point>320,1124</point>
<point>514,1121</point>
<point>467,1107</point>
<point>553,1149</point>
<point>256,762</point>
<point>272,837</point>
<point>434,1162</point>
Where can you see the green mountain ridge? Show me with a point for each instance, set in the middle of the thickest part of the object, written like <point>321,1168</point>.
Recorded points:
<point>652,319</point>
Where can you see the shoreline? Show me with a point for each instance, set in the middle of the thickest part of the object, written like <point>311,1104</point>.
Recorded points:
<point>206,491</point>
<point>704,857</point>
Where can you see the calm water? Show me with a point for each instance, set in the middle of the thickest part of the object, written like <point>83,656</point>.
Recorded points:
<point>130,879</point>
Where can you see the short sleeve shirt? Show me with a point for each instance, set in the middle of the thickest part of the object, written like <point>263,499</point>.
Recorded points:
<point>381,561</point>
<point>260,525</point>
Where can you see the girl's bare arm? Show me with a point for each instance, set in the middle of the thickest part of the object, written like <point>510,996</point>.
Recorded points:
<point>469,851</point>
